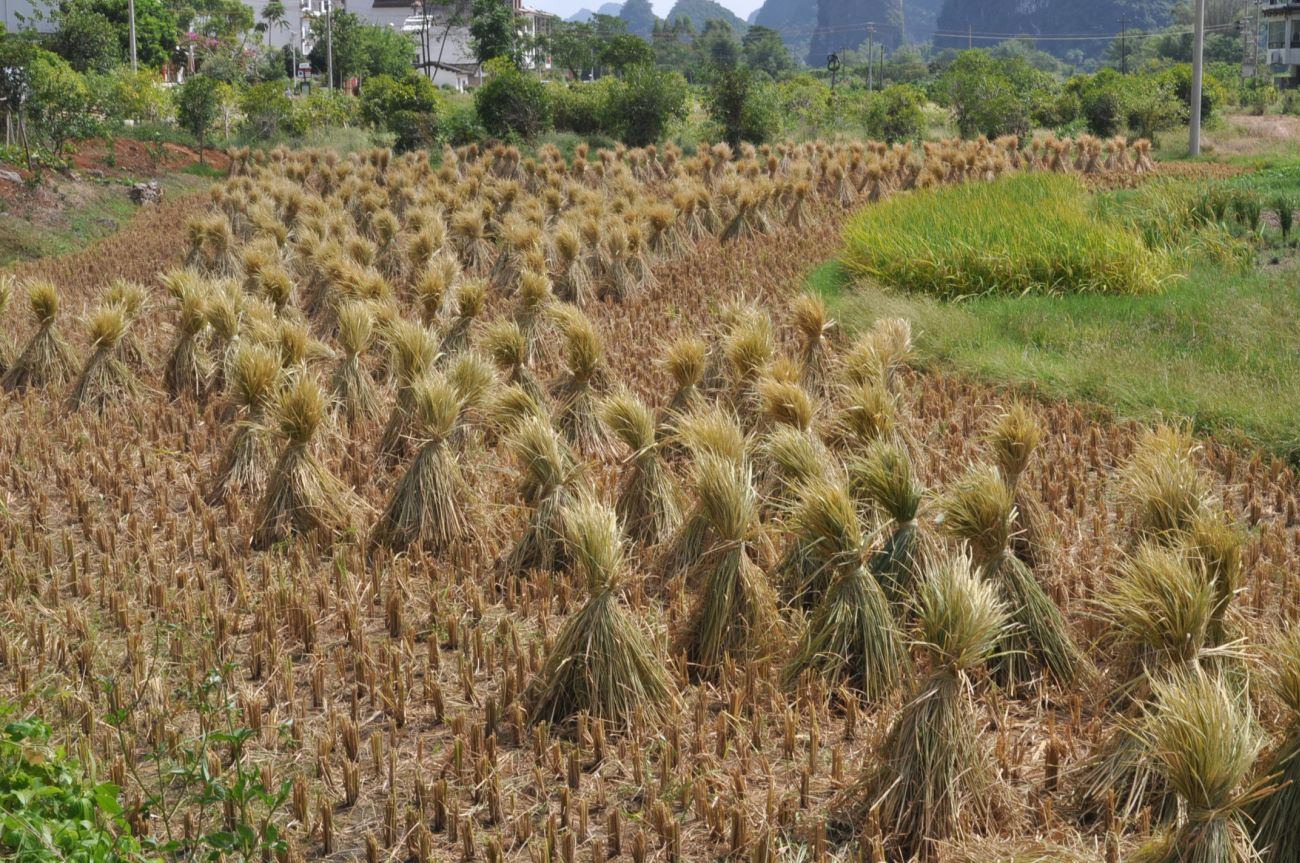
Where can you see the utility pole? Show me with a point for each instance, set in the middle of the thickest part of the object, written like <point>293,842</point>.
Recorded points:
<point>1198,71</point>
<point>871,58</point>
<point>970,39</point>
<point>130,11</point>
<point>1123,44</point>
<point>329,41</point>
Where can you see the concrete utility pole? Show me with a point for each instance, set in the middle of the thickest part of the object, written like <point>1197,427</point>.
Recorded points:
<point>1198,71</point>
<point>1123,44</point>
<point>871,35</point>
<point>130,11</point>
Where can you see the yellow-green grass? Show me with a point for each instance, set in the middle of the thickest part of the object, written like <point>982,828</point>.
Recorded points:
<point>1020,235</point>
<point>1218,346</point>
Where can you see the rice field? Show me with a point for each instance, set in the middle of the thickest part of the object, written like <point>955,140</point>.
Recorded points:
<point>522,509</point>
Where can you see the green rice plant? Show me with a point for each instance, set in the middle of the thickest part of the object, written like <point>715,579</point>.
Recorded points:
<point>852,637</point>
<point>302,497</point>
<point>735,614</point>
<point>1276,816</point>
<point>980,510</point>
<point>602,664</point>
<point>646,505</point>
<point>1204,739</point>
<point>104,378</point>
<point>246,461</point>
<point>1285,209</point>
<point>1027,233</point>
<point>46,359</point>
<point>883,477</point>
<point>428,505</point>
<point>547,485</point>
<point>930,781</point>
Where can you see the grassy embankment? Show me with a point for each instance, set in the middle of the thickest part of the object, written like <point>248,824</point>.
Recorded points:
<point>1217,345</point>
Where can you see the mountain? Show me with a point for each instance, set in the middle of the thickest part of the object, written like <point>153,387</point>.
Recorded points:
<point>699,11</point>
<point>845,24</point>
<point>1048,17</point>
<point>639,16</point>
<point>582,16</point>
<point>793,19</point>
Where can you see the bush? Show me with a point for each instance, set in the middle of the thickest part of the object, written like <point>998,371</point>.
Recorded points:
<point>325,109</point>
<point>409,108</point>
<point>512,103</point>
<point>1151,106</point>
<point>1213,94</point>
<point>59,102</point>
<point>995,96</point>
<point>461,125</point>
<point>1036,233</point>
<point>198,102</point>
<point>582,108</point>
<point>51,811</point>
<point>268,110</point>
<point>743,107</point>
<point>1101,100</point>
<point>123,94</point>
<point>806,102</point>
<point>640,110</point>
<point>896,113</point>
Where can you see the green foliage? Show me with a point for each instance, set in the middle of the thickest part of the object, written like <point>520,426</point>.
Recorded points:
<point>408,107</point>
<point>512,103</point>
<point>743,107</point>
<point>155,28</point>
<point>763,50</point>
<point>461,125</point>
<point>1214,95</point>
<point>268,110</point>
<point>198,103</point>
<point>639,18</point>
<point>1034,233</point>
<point>895,114</point>
<point>324,109</point>
<point>716,47</point>
<point>575,47</point>
<point>362,50</point>
<point>583,108</point>
<point>50,811</point>
<point>624,52</point>
<point>87,40</point>
<point>135,95</point>
<point>493,32</point>
<point>59,102</point>
<point>992,97</point>
<point>805,102</point>
<point>1101,100</point>
<point>1151,105</point>
<point>640,110</point>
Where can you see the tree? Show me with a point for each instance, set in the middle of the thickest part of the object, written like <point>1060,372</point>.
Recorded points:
<point>625,51</point>
<point>267,109</point>
<point>155,28</point>
<point>574,47</point>
<point>512,104</point>
<point>1151,105</point>
<point>361,49</point>
<point>58,101</point>
<point>995,97</point>
<point>274,16</point>
<point>896,113</point>
<point>744,108</point>
<point>763,50</point>
<point>494,32</point>
<point>227,21</point>
<point>716,46</point>
<point>198,103</point>
<point>87,40</point>
<point>408,107</point>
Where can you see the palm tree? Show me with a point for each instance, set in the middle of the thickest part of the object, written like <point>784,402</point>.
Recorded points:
<point>274,16</point>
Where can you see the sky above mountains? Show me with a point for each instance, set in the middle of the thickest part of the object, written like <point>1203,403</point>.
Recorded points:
<point>565,8</point>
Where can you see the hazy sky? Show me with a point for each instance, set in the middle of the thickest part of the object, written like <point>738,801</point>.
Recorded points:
<point>565,8</point>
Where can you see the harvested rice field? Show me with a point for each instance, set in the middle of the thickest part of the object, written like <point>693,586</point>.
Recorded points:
<point>523,509</point>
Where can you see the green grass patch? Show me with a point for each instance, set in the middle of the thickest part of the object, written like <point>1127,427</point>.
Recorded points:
<point>1025,234</point>
<point>1218,347</point>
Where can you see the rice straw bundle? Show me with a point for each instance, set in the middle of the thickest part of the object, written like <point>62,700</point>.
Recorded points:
<point>302,497</point>
<point>433,285</point>
<point>547,485</point>
<point>1012,438</point>
<point>534,298</point>
<point>868,413</point>
<point>646,505</point>
<point>248,457</point>
<point>504,344</point>
<point>736,615</point>
<point>602,664</point>
<point>1161,487</point>
<point>1214,546</point>
<point>813,328</point>
<point>46,359</point>
<point>883,477</point>
<point>352,388</point>
<point>573,280</point>
<point>684,360</point>
<point>979,509</point>
<point>412,353</point>
<point>1204,738</point>
<point>578,390</point>
<point>748,349</point>
<point>188,366</point>
<point>104,378</point>
<point>427,506</point>
<point>931,781</point>
<point>7,283</point>
<point>132,298</point>
<point>852,637</point>
<point>467,305</point>
<point>1275,817</point>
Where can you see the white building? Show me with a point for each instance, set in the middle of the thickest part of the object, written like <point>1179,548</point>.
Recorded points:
<point>1282,43</point>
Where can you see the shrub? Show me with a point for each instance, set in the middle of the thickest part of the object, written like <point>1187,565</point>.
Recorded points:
<point>58,102</point>
<point>806,101</point>
<point>640,110</point>
<point>135,95</point>
<point>581,108</point>
<point>744,107</point>
<point>995,96</point>
<point>197,103</point>
<point>1101,100</point>
<point>324,109</point>
<point>268,110</point>
<point>1213,94</point>
<point>461,125</point>
<point>409,108</point>
<point>1151,106</point>
<point>896,113</point>
<point>1021,234</point>
<point>512,103</point>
